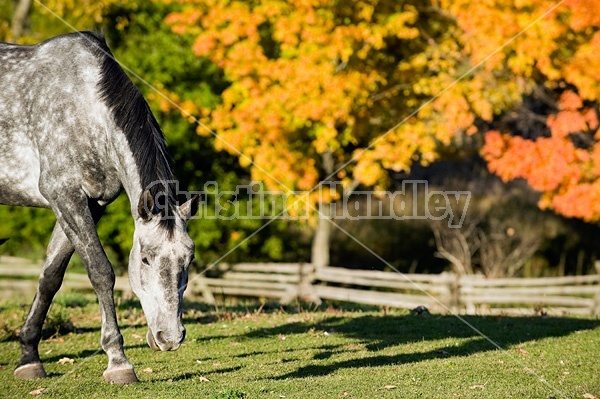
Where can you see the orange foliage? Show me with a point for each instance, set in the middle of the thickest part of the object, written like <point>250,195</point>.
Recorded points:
<point>567,175</point>
<point>561,49</point>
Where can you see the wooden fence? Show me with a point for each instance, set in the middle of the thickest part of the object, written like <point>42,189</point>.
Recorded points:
<point>286,282</point>
<point>19,277</point>
<point>446,292</point>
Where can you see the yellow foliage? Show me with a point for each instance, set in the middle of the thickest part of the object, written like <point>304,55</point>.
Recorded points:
<point>310,77</point>
<point>83,14</point>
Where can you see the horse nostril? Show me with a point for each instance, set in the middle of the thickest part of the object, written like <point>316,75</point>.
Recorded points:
<point>182,335</point>
<point>160,338</point>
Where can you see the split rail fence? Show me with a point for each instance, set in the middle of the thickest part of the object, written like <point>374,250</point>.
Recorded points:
<point>287,282</point>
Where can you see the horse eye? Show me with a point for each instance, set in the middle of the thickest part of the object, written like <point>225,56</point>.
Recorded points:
<point>145,260</point>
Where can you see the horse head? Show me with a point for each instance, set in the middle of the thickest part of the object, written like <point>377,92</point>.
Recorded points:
<point>158,269</point>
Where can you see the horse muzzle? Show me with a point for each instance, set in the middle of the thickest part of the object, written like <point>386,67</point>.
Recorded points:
<point>162,342</point>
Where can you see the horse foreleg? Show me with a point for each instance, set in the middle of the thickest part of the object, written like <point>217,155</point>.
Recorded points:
<point>59,252</point>
<point>75,217</point>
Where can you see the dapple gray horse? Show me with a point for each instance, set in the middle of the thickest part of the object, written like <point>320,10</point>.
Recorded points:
<point>74,132</point>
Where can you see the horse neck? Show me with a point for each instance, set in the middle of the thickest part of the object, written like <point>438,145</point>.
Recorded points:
<point>135,181</point>
<point>140,155</point>
<point>128,172</point>
<point>131,175</point>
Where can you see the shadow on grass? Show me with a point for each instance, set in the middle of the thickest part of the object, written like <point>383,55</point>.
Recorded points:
<point>190,376</point>
<point>380,332</point>
<point>88,353</point>
<point>79,355</point>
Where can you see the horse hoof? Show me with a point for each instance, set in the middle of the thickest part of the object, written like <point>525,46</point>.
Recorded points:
<point>120,376</point>
<point>30,371</point>
<point>151,341</point>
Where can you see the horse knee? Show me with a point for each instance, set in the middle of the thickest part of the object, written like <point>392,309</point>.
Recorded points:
<point>48,285</point>
<point>103,281</point>
<point>29,336</point>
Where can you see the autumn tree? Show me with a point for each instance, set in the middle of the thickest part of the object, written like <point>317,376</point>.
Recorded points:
<point>334,90</point>
<point>564,166</point>
<point>553,49</point>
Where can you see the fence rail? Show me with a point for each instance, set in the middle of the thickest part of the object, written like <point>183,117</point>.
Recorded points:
<point>20,276</point>
<point>287,281</point>
<point>440,293</point>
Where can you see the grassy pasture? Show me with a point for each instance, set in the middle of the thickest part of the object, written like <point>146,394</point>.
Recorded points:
<point>268,352</point>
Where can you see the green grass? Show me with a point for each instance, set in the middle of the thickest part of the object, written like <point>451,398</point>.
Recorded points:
<point>327,353</point>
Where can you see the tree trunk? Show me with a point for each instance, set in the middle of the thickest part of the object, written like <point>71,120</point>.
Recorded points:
<point>321,238</point>
<point>320,244</point>
<point>20,19</point>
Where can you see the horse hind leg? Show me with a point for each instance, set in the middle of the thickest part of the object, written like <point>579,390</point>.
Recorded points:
<point>59,252</point>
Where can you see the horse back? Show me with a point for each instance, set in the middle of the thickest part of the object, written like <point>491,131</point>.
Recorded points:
<point>53,125</point>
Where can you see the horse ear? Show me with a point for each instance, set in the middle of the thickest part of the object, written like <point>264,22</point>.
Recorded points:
<point>146,206</point>
<point>189,208</point>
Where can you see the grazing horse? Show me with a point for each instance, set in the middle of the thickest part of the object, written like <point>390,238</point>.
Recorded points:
<point>74,132</point>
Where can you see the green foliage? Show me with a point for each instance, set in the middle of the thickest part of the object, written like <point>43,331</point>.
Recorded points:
<point>28,230</point>
<point>73,300</point>
<point>116,231</point>
<point>6,10</point>
<point>12,317</point>
<point>58,321</point>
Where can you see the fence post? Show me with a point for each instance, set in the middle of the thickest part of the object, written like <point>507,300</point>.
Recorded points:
<point>200,286</point>
<point>469,305</point>
<point>451,299</point>
<point>307,279</point>
<point>596,308</point>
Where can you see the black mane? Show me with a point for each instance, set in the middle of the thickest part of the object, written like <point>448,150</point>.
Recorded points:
<point>134,117</point>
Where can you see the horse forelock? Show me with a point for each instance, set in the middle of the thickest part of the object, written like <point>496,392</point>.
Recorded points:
<point>146,140</point>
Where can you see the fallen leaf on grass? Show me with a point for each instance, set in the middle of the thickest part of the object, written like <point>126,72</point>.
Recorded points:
<point>589,396</point>
<point>390,387</point>
<point>477,387</point>
<point>522,351</point>
<point>38,391</point>
<point>66,360</point>
<point>281,337</point>
<point>204,379</point>
<point>147,370</point>
<point>136,336</point>
<point>345,394</point>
